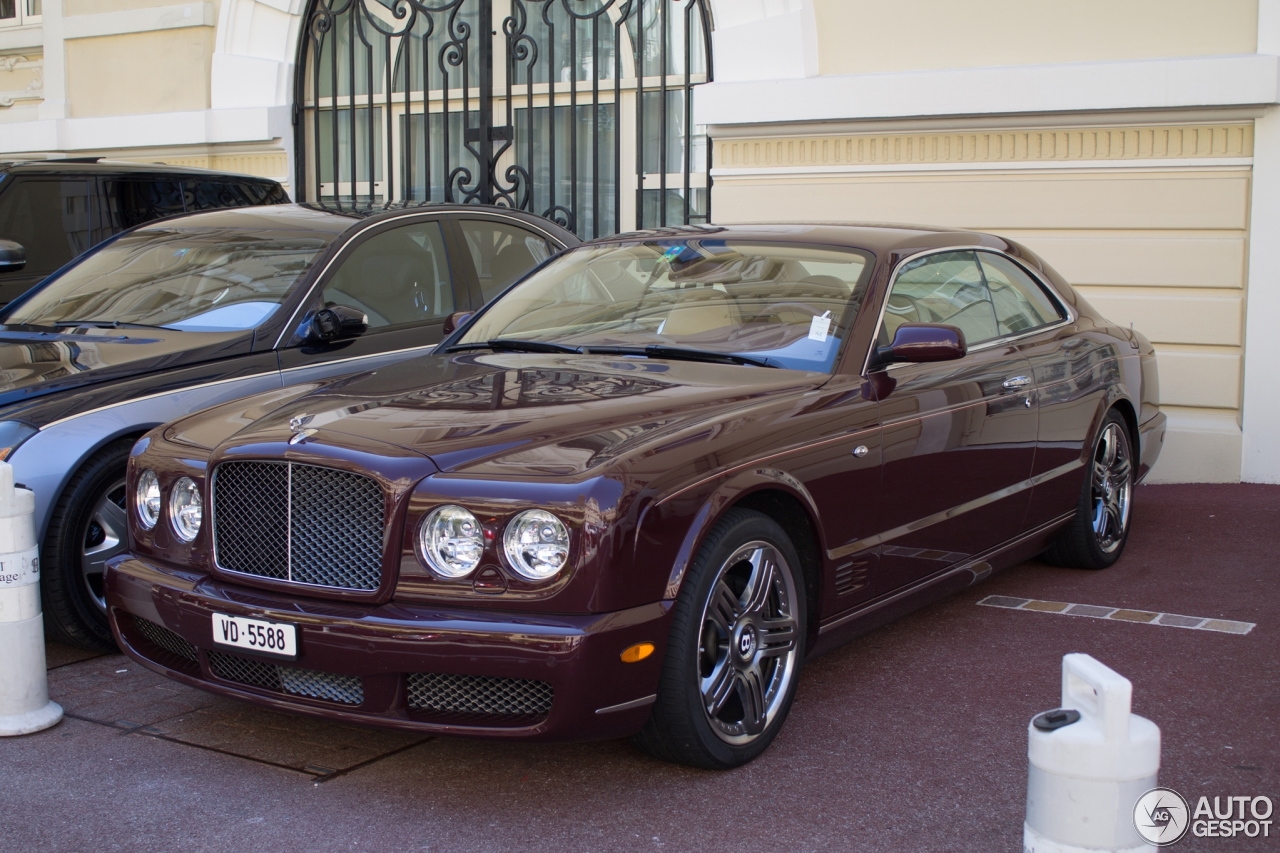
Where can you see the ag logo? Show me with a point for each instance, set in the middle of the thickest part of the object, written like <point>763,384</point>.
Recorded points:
<point>1161,816</point>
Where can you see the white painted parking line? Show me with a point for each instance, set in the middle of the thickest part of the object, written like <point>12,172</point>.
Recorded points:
<point>1119,614</point>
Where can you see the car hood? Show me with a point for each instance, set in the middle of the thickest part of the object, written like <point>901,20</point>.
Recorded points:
<point>35,361</point>
<point>517,414</point>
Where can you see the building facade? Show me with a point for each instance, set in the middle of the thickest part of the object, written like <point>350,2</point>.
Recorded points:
<point>1134,144</point>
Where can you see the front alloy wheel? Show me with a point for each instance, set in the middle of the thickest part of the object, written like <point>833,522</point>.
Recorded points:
<point>747,655</point>
<point>735,648</point>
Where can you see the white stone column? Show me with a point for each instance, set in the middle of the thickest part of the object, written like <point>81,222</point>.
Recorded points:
<point>1261,403</point>
<point>55,104</point>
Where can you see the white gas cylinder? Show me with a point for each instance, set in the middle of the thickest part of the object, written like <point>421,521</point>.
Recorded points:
<point>24,688</point>
<point>1090,762</point>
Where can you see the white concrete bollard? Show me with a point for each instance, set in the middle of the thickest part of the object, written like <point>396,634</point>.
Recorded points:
<point>24,686</point>
<point>1090,762</point>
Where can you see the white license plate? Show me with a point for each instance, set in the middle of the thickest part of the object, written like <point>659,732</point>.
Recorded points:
<point>270,638</point>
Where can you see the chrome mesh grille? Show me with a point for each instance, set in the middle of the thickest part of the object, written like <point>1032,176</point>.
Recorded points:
<point>346,689</point>
<point>164,638</point>
<point>301,523</point>
<point>475,694</point>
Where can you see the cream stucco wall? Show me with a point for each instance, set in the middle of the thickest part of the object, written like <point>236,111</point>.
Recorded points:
<point>1148,219</point>
<point>138,73</point>
<point>859,37</point>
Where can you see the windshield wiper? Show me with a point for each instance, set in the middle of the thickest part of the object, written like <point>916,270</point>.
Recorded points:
<point>684,353</point>
<point>105,324</point>
<point>512,345</point>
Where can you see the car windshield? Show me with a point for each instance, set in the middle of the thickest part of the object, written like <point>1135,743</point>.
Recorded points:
<point>786,306</point>
<point>207,280</point>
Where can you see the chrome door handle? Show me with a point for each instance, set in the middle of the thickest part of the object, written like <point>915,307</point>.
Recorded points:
<point>1017,382</point>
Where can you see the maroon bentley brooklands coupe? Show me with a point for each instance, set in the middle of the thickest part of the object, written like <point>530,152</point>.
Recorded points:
<point>633,494</point>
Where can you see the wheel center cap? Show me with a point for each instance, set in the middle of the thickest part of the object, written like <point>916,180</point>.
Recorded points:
<point>745,644</point>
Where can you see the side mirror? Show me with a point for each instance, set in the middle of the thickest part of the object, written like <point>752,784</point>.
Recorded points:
<point>337,323</point>
<point>13,256</point>
<point>456,319</point>
<point>919,342</point>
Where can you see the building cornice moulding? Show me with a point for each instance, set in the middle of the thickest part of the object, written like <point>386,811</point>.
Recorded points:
<point>146,20</point>
<point>196,127</point>
<point>1160,84</point>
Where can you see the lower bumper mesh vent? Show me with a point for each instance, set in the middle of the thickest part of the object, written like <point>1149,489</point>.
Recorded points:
<point>346,689</point>
<point>165,639</point>
<point>474,694</point>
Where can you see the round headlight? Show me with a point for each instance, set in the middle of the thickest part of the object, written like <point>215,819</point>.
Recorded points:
<point>147,498</point>
<point>537,544</point>
<point>451,541</point>
<point>185,509</point>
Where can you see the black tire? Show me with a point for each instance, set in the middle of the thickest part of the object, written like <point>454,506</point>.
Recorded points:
<point>1097,534</point>
<point>74,612</point>
<point>754,662</point>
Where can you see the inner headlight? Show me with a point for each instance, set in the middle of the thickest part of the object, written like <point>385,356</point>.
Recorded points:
<point>537,544</point>
<point>147,498</point>
<point>185,509</point>
<point>451,541</point>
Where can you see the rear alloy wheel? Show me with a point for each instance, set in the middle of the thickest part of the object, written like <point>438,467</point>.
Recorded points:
<point>87,528</point>
<point>735,648</point>
<point>1098,532</point>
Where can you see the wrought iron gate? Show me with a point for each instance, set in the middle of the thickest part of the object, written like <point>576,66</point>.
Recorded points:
<point>579,110</point>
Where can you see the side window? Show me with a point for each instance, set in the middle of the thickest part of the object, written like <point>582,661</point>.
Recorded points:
<point>133,201</point>
<point>1020,303</point>
<point>502,253</point>
<point>49,218</point>
<point>396,277</point>
<point>944,288</point>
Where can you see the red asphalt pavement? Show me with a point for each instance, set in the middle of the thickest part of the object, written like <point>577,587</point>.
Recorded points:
<point>912,738</point>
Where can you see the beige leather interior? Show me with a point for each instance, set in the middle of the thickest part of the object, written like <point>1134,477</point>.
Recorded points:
<point>707,310</point>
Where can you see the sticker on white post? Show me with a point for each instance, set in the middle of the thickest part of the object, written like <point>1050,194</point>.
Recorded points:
<point>20,568</point>
<point>819,326</point>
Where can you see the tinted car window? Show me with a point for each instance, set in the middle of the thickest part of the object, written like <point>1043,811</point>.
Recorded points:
<point>502,253</point>
<point>1020,303</point>
<point>134,201</point>
<point>396,277</point>
<point>214,194</point>
<point>195,280</point>
<point>49,218</point>
<point>944,288</point>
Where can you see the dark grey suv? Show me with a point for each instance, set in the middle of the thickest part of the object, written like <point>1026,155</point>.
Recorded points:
<point>57,209</point>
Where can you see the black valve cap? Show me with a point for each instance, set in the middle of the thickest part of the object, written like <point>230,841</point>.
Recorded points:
<point>1055,719</point>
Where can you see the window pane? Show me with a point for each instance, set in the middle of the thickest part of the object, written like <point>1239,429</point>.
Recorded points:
<point>133,202</point>
<point>396,277</point>
<point>945,288</point>
<point>502,253</point>
<point>1020,303</point>
<point>49,218</point>
<point>195,280</point>
<point>8,9</point>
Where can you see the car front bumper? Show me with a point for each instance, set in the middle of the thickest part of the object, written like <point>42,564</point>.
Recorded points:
<point>443,670</point>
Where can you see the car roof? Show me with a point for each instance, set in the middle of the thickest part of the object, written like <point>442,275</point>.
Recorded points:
<point>876,238</point>
<point>100,166</point>
<point>311,217</point>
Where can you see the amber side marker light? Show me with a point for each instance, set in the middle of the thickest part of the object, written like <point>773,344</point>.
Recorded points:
<point>637,653</point>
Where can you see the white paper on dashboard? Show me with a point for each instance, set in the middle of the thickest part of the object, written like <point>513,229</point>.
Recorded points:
<point>819,326</point>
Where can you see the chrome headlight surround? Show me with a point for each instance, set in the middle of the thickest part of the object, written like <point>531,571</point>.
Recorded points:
<point>146,499</point>
<point>186,509</point>
<point>451,541</point>
<point>536,544</point>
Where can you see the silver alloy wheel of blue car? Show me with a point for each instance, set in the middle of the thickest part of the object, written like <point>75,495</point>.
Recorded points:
<point>105,536</point>
<point>748,649</point>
